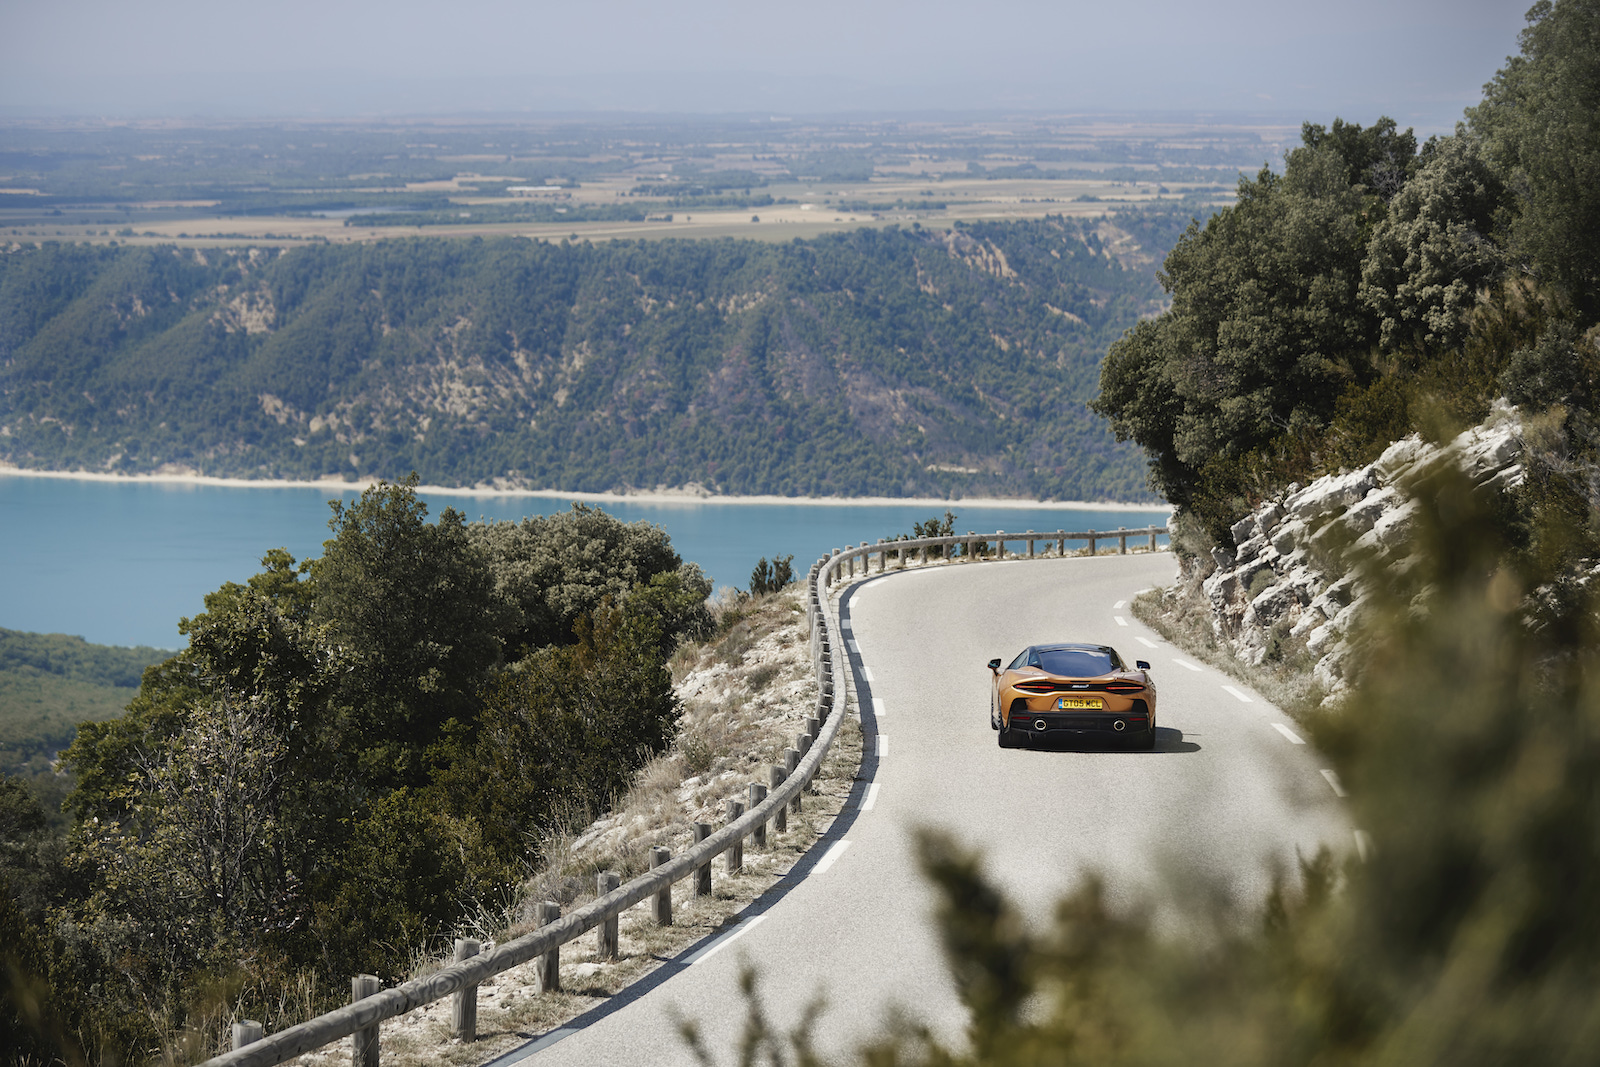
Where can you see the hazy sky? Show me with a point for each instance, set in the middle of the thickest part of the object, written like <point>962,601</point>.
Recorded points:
<point>1421,61</point>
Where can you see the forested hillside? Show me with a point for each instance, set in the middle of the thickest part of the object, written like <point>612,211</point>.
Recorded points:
<point>894,362</point>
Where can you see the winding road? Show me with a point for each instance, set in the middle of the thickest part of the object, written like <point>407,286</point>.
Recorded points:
<point>1230,795</point>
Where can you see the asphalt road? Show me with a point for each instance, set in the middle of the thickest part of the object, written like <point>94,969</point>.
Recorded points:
<point>1229,796</point>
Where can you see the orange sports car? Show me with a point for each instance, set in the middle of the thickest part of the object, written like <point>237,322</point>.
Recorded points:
<point>1066,691</point>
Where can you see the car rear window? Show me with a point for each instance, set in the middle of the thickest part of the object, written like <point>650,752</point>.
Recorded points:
<point>1074,662</point>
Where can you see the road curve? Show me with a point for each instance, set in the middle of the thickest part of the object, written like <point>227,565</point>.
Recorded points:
<point>1228,797</point>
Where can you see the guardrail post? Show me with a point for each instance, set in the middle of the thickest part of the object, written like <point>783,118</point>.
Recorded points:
<point>364,1042</point>
<point>1061,547</point>
<point>1030,546</point>
<point>247,1032</point>
<point>1124,539</point>
<point>883,556</point>
<point>547,969</point>
<point>702,873</point>
<point>813,726</point>
<point>736,850</point>
<point>464,1005</point>
<point>658,855</point>
<point>791,760</point>
<point>780,818</point>
<point>1153,530</point>
<point>1001,553</point>
<point>608,948</point>
<point>758,793</point>
<point>972,546</point>
<point>922,553</point>
<point>1092,541</point>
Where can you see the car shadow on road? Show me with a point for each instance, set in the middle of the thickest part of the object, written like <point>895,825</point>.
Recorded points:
<point>1168,740</point>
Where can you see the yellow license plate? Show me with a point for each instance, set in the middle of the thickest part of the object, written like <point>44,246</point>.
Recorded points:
<point>1093,703</point>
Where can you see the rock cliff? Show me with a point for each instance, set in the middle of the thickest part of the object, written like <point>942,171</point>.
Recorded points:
<point>1291,576</point>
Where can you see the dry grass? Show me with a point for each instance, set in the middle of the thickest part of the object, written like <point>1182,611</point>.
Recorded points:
<point>746,694</point>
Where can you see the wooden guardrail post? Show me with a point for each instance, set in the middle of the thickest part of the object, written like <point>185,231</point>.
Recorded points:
<point>791,761</point>
<point>658,855</point>
<point>883,556</point>
<point>1153,530</point>
<point>758,836</point>
<point>1092,540</point>
<point>547,969</point>
<point>247,1032</point>
<point>608,947</point>
<point>1030,545</point>
<point>780,818</point>
<point>1123,538</point>
<point>364,1042</point>
<point>464,1005</point>
<point>702,873</point>
<point>736,850</point>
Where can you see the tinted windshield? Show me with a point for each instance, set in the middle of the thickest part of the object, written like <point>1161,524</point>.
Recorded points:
<point>1075,662</point>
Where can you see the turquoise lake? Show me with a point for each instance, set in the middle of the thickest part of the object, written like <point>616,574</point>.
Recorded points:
<point>120,562</point>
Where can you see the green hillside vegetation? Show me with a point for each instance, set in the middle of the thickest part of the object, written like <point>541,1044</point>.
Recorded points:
<point>352,754</point>
<point>49,685</point>
<point>1377,287</point>
<point>885,362</point>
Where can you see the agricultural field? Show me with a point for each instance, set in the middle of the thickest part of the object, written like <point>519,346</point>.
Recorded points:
<point>222,184</point>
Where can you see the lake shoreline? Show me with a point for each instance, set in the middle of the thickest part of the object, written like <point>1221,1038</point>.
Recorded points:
<point>688,496</point>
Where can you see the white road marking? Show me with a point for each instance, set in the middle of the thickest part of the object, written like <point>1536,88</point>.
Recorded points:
<point>1120,620</point>
<point>1119,605</point>
<point>1146,642</point>
<point>1238,694</point>
<point>831,857</point>
<point>1363,845</point>
<point>844,624</point>
<point>877,707</point>
<point>883,746</point>
<point>871,798</point>
<point>866,672</point>
<point>1333,780</point>
<point>1187,665</point>
<point>1294,738</point>
<point>852,646</point>
<point>743,928</point>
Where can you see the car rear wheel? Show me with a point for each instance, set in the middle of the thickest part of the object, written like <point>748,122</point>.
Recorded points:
<point>1008,737</point>
<point>1147,740</point>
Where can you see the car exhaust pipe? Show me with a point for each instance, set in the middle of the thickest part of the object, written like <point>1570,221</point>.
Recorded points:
<point>1119,726</point>
<point>1040,725</point>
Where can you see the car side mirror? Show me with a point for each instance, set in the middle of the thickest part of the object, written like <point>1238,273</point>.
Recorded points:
<point>1141,664</point>
<point>994,665</point>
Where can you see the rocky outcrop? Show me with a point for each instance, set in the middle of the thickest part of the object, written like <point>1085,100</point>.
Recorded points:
<point>1289,578</point>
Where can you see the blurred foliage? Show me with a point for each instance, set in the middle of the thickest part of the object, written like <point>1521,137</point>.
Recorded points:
<point>354,755</point>
<point>1376,289</point>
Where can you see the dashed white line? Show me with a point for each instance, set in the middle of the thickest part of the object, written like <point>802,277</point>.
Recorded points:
<point>852,646</point>
<point>1242,697</point>
<point>1120,620</point>
<point>1186,665</point>
<point>883,746</point>
<point>1119,605</point>
<point>877,707</point>
<point>866,672</point>
<point>1146,642</point>
<point>1333,781</point>
<point>831,857</point>
<point>1294,738</point>
<point>868,801</point>
<point>744,928</point>
<point>844,624</point>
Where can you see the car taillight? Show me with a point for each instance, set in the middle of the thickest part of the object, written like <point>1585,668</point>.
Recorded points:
<point>1123,687</point>
<point>1034,687</point>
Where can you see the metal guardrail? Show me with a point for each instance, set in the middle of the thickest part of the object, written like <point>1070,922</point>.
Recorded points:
<point>461,979</point>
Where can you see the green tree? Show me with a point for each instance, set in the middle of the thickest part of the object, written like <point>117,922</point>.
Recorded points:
<point>1540,123</point>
